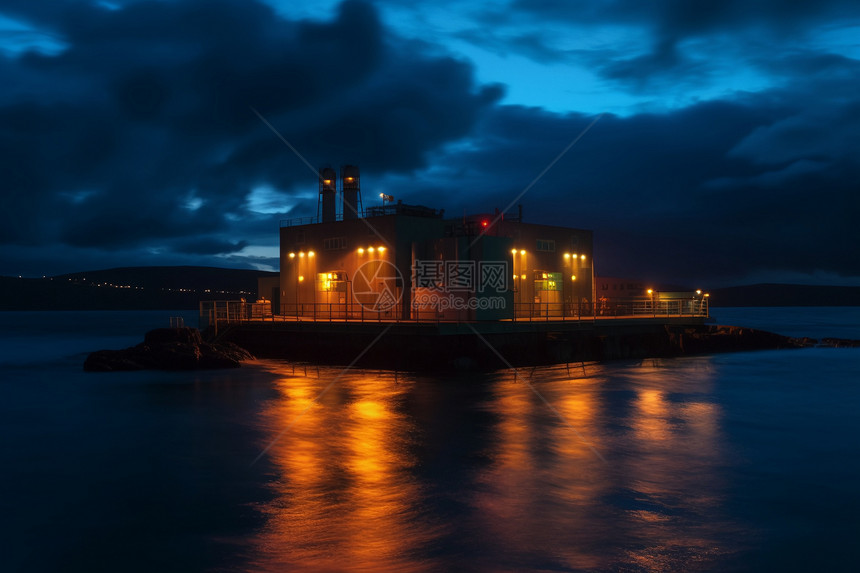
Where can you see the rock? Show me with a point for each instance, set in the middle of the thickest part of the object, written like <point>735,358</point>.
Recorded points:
<point>170,335</point>
<point>111,360</point>
<point>169,349</point>
<point>840,343</point>
<point>713,338</point>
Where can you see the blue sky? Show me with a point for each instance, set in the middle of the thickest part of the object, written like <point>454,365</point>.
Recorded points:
<point>727,149</point>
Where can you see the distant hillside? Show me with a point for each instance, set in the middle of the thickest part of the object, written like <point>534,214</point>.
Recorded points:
<point>786,295</point>
<point>177,288</point>
<point>130,288</point>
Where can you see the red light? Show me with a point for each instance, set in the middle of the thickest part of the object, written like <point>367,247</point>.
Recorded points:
<point>485,223</point>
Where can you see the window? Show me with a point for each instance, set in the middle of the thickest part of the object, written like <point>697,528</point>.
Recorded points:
<point>334,243</point>
<point>546,245</point>
<point>300,237</point>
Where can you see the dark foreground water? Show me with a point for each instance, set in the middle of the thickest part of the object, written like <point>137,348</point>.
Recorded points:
<point>736,462</point>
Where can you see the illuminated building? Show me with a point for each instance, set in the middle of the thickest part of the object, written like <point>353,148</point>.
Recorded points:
<point>392,259</point>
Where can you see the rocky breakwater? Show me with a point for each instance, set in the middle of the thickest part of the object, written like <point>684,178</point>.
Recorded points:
<point>169,349</point>
<point>839,343</point>
<point>713,338</point>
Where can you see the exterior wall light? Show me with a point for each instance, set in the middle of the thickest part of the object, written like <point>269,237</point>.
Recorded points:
<point>523,277</point>
<point>582,257</point>
<point>380,249</point>
<point>369,249</point>
<point>311,253</point>
<point>360,251</point>
<point>301,254</point>
<point>301,278</point>
<point>567,255</point>
<point>513,251</point>
<point>573,277</point>
<point>522,252</point>
<point>292,255</point>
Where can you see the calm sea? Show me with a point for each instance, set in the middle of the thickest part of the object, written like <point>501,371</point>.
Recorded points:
<point>734,462</point>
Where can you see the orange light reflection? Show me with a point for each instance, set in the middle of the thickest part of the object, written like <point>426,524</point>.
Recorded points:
<point>343,478</point>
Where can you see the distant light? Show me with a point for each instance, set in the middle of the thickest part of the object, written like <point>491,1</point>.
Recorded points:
<point>327,181</point>
<point>523,252</point>
<point>329,276</point>
<point>650,291</point>
<point>567,255</point>
<point>360,251</point>
<point>301,278</point>
<point>698,291</point>
<point>707,294</point>
<point>523,277</point>
<point>484,223</point>
<point>380,249</point>
<point>573,277</point>
<point>582,257</point>
<point>544,276</point>
<point>382,195</point>
<point>515,277</point>
<point>350,179</point>
<point>311,253</point>
<point>301,254</point>
<point>292,255</point>
<point>513,251</point>
<point>369,249</point>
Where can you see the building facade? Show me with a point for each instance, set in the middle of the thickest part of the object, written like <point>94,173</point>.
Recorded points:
<point>409,262</point>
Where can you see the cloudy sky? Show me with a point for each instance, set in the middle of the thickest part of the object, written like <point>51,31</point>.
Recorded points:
<point>726,148</point>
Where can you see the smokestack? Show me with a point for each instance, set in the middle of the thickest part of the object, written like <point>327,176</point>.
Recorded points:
<point>351,186</point>
<point>328,194</point>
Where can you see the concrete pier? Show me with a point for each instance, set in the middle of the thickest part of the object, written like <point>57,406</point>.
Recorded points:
<point>490,345</point>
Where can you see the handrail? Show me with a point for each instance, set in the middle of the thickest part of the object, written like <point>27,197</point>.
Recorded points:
<point>213,313</point>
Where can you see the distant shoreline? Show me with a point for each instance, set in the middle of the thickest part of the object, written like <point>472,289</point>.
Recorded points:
<point>175,288</point>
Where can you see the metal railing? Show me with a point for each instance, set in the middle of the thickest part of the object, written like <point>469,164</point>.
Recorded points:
<point>641,307</point>
<point>215,313</point>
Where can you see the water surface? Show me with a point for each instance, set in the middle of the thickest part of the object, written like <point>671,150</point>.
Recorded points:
<point>735,462</point>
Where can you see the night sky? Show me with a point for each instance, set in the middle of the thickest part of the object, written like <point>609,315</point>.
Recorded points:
<point>726,151</point>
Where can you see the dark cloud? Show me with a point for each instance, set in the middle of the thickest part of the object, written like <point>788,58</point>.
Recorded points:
<point>713,193</point>
<point>209,246</point>
<point>674,20</point>
<point>104,144</point>
<point>684,42</point>
<point>138,141</point>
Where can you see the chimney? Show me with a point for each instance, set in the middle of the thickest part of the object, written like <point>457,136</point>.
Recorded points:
<point>351,187</point>
<point>328,194</point>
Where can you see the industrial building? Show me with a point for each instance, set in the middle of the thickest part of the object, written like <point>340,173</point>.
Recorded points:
<point>407,262</point>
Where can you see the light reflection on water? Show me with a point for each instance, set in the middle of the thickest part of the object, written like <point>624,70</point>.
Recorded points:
<point>346,498</point>
<point>415,474</point>
<point>736,462</point>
